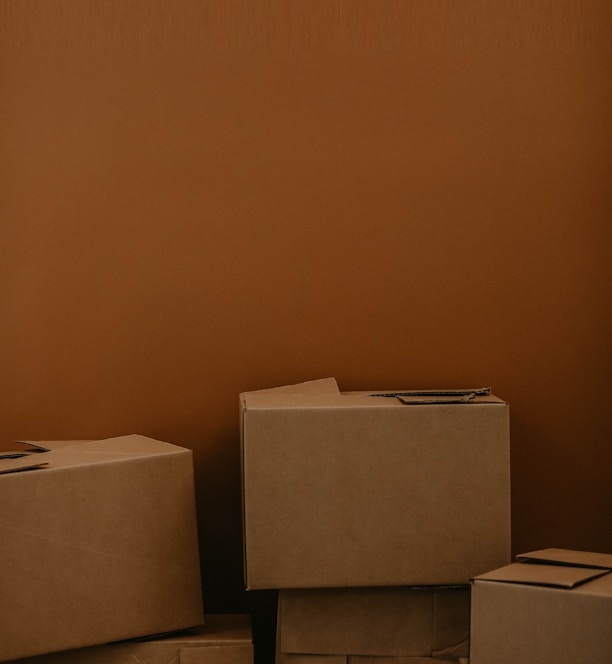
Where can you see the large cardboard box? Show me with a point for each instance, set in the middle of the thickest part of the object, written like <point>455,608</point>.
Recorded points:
<point>426,622</point>
<point>372,489</point>
<point>99,543</point>
<point>224,639</point>
<point>553,607</point>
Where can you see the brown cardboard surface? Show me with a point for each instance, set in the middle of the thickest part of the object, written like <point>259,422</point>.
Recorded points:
<point>282,658</point>
<point>101,544</point>
<point>542,574</point>
<point>540,624</point>
<point>569,557</point>
<point>345,490</point>
<point>393,622</point>
<point>217,655</point>
<point>359,659</point>
<point>224,639</point>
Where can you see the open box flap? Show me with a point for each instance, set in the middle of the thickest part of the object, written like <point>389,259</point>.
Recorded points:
<point>26,462</point>
<point>312,392</point>
<point>569,557</point>
<point>78,452</point>
<point>48,445</point>
<point>559,576</point>
<point>324,393</point>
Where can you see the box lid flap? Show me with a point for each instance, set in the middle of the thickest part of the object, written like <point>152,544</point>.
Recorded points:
<point>77,452</point>
<point>559,576</point>
<point>13,465</point>
<point>569,557</point>
<point>48,445</point>
<point>307,392</point>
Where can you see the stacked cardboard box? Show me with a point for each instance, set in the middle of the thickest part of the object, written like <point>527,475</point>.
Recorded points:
<point>99,544</point>
<point>395,622</point>
<point>396,497</point>
<point>224,639</point>
<point>552,606</point>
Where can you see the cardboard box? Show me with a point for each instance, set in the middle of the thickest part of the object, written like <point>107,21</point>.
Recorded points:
<point>359,489</point>
<point>425,622</point>
<point>225,639</point>
<point>554,606</point>
<point>99,543</point>
<point>358,659</point>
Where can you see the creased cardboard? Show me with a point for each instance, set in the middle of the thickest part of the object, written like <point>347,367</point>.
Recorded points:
<point>548,608</point>
<point>101,544</point>
<point>391,622</point>
<point>350,489</point>
<point>224,639</point>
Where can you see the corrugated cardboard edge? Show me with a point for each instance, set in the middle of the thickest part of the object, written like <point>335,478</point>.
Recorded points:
<point>569,557</point>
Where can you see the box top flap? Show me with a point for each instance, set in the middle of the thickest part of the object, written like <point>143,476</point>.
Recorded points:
<point>559,576</point>
<point>308,393</point>
<point>26,462</point>
<point>52,454</point>
<point>325,394</point>
<point>569,557</point>
<point>48,445</point>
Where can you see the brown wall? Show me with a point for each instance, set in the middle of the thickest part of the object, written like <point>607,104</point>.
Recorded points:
<point>201,198</point>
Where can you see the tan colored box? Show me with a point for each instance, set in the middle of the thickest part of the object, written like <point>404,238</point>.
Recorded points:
<point>358,659</point>
<point>225,639</point>
<point>99,543</point>
<point>353,489</point>
<point>554,606</point>
<point>425,622</point>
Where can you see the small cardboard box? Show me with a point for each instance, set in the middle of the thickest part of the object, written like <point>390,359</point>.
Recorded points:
<point>425,622</point>
<point>553,606</point>
<point>373,489</point>
<point>362,659</point>
<point>99,543</point>
<point>225,639</point>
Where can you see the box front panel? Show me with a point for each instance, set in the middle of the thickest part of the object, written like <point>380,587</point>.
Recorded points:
<point>389,495</point>
<point>537,625</point>
<point>365,621</point>
<point>98,553</point>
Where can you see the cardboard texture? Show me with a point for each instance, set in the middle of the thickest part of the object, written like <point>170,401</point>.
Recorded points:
<point>350,489</point>
<point>378,622</point>
<point>548,608</point>
<point>359,659</point>
<point>224,639</point>
<point>101,544</point>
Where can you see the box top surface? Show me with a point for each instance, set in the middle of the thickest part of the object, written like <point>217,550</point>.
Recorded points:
<point>324,393</point>
<point>560,568</point>
<point>570,557</point>
<point>48,455</point>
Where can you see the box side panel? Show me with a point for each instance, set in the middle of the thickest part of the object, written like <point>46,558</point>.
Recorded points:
<point>535,625</point>
<point>243,479</point>
<point>423,491</point>
<point>451,635</point>
<point>119,539</point>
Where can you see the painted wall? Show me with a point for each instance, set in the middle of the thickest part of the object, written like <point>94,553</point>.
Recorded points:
<point>199,199</point>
